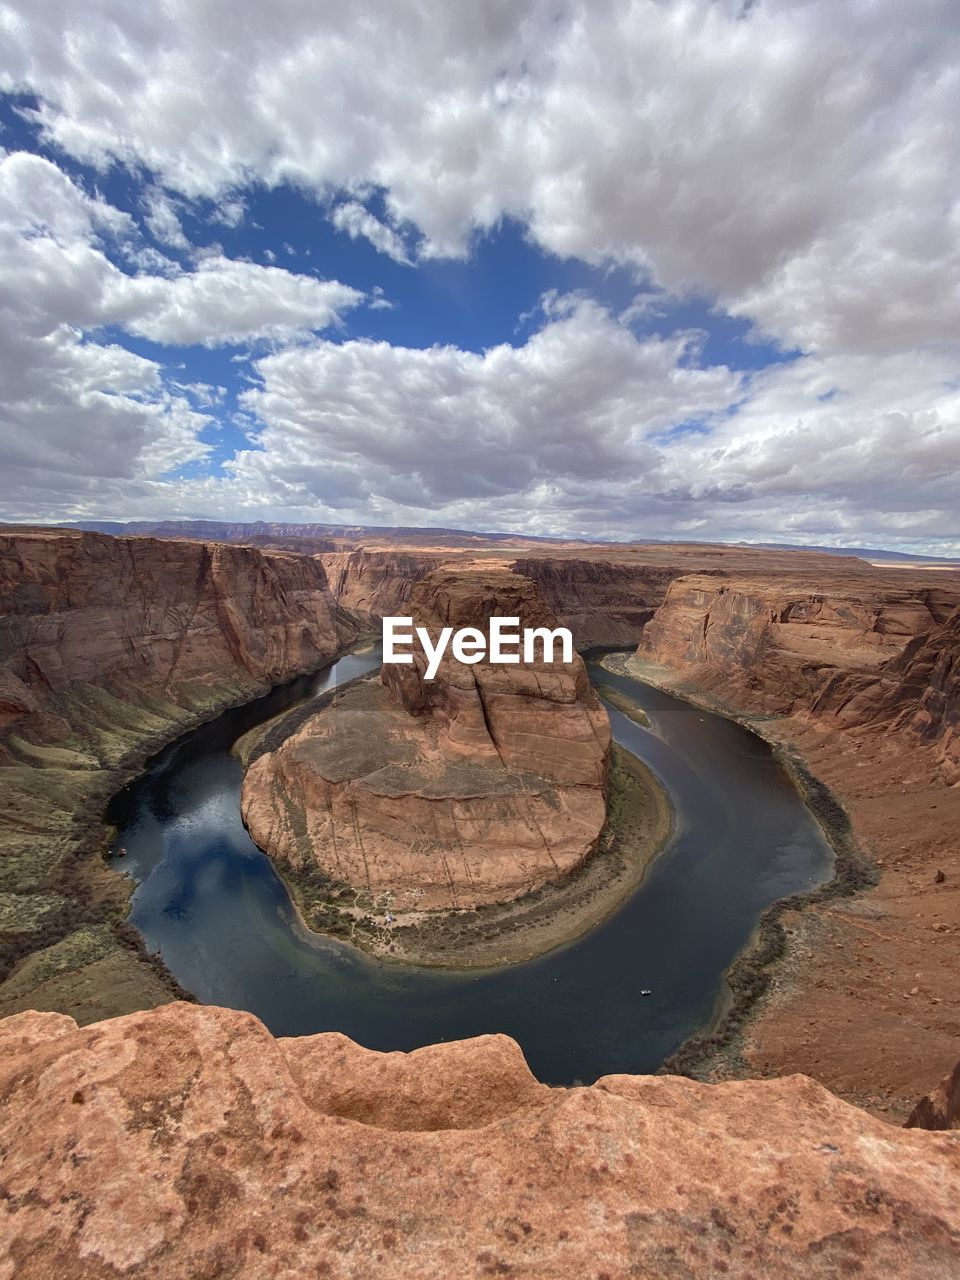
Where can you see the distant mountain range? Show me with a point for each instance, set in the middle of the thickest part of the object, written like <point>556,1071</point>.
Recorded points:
<point>865,553</point>
<point>226,531</point>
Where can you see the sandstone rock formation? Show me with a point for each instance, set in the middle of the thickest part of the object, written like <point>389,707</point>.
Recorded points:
<point>85,608</point>
<point>474,787</point>
<point>770,644</point>
<point>187,1142</point>
<point>939,1109</point>
<point>376,584</point>
<point>602,601</point>
<point>916,695</point>
<point>109,647</point>
<point>859,672</point>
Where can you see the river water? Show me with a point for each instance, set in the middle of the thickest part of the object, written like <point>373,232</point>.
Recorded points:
<point>211,903</point>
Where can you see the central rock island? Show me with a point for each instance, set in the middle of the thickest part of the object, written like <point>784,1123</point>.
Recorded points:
<point>476,787</point>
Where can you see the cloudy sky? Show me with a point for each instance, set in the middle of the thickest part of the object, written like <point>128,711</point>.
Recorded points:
<point>625,268</point>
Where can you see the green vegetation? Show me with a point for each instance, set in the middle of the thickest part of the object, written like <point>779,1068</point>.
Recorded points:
<point>62,910</point>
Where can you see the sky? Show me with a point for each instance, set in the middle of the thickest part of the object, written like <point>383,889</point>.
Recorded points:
<point>622,269</point>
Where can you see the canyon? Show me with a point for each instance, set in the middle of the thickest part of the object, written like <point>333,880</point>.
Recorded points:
<point>152,1143</point>
<point>111,646</point>
<point>855,677</point>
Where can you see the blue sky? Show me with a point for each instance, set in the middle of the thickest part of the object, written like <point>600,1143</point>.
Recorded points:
<point>620,270</point>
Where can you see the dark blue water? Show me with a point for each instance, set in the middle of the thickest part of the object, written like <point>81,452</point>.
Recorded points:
<point>214,907</point>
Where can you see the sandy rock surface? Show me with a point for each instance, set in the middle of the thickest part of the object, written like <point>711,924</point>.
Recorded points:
<point>187,1142</point>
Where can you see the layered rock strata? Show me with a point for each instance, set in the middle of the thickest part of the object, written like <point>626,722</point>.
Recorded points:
<point>377,584</point>
<point>474,787</point>
<point>854,677</point>
<point>772,645</point>
<point>109,647</point>
<point>186,1142</point>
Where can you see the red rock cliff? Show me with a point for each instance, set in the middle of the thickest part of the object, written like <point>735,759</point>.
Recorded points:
<point>109,647</point>
<point>857,673</point>
<point>157,614</point>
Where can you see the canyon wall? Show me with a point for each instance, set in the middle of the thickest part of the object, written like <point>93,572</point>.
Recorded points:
<point>855,652</point>
<point>856,678</point>
<point>110,647</point>
<point>186,1141</point>
<point>377,584</point>
<point>474,787</point>
<point>603,602</point>
<point>85,608</point>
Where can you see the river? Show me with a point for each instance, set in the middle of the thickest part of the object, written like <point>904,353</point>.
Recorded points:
<point>212,904</point>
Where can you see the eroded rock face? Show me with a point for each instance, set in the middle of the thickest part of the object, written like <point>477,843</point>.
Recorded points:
<point>376,584</point>
<point>474,787</point>
<point>187,1142</point>
<point>916,695</point>
<point>85,608</point>
<point>848,652</point>
<point>939,1109</point>
<point>769,645</point>
<point>863,669</point>
<point>603,602</point>
<point>109,647</point>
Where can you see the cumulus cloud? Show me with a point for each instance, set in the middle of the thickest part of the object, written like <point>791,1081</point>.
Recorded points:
<point>581,398</point>
<point>79,412</point>
<point>57,271</point>
<point>360,223</point>
<point>225,301</point>
<point>800,162</point>
<point>587,429</point>
<point>162,220</point>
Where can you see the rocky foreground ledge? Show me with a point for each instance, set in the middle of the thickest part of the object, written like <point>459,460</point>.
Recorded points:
<point>187,1142</point>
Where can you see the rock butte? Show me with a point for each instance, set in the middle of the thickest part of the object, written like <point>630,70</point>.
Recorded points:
<point>474,787</point>
<point>185,1142</point>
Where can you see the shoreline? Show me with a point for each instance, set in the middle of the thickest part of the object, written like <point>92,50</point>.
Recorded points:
<point>716,1051</point>
<point>103,887</point>
<point>638,829</point>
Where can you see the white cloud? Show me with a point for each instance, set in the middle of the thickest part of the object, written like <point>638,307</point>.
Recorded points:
<point>799,161</point>
<point>799,164</point>
<point>80,416</point>
<point>576,432</point>
<point>358,222</point>
<point>38,199</point>
<point>57,271</point>
<point>162,221</point>
<point>581,398</point>
<point>226,301</point>
<point>229,212</point>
